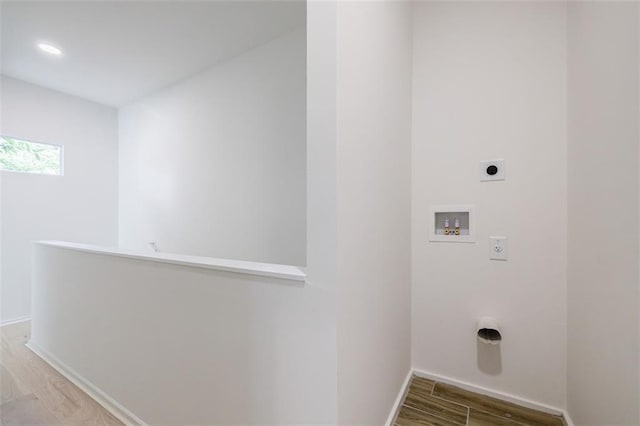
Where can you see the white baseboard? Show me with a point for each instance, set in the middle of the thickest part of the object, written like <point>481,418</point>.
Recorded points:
<point>399,399</point>
<point>567,418</point>
<point>488,392</point>
<point>15,321</point>
<point>112,406</point>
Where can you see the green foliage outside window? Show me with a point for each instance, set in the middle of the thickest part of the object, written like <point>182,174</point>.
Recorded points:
<point>30,157</point>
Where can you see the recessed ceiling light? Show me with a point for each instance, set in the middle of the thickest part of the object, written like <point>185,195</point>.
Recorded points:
<point>49,48</point>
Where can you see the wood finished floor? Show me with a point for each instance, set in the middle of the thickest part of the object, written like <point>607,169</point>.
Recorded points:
<point>33,393</point>
<point>430,403</point>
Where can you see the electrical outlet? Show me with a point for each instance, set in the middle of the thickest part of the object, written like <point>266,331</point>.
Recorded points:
<point>498,248</point>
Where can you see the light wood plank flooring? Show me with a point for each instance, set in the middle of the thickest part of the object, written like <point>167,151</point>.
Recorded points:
<point>33,393</point>
<point>430,403</point>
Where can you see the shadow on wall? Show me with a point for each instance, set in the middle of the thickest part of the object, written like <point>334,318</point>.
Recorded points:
<point>489,358</point>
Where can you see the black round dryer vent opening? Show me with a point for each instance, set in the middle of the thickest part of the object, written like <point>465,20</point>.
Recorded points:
<point>489,334</point>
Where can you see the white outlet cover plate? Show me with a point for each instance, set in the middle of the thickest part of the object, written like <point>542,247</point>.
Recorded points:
<point>499,163</point>
<point>498,248</point>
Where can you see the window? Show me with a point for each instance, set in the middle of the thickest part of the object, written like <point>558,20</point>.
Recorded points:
<point>30,157</point>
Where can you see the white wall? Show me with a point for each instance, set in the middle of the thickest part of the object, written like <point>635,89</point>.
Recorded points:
<point>79,206</point>
<point>321,180</point>
<point>215,165</point>
<point>374,207</point>
<point>603,297</point>
<point>490,82</point>
<point>234,349</point>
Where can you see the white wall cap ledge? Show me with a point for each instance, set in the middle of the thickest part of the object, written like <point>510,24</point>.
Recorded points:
<point>272,270</point>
